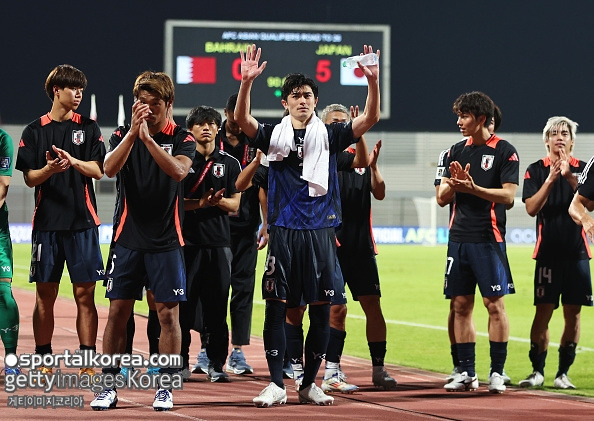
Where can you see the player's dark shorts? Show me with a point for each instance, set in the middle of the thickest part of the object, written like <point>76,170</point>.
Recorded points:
<point>78,249</point>
<point>360,274</point>
<point>569,280</point>
<point>300,265</point>
<point>128,271</point>
<point>339,296</point>
<point>485,264</point>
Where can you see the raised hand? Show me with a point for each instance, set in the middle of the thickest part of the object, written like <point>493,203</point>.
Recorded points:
<point>375,153</point>
<point>371,72</point>
<point>249,63</point>
<point>565,168</point>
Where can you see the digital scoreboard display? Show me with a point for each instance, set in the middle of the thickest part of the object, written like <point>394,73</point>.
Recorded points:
<point>202,57</point>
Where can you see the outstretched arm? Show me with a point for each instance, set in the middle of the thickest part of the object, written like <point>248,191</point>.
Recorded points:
<point>361,159</point>
<point>250,70</point>
<point>371,113</point>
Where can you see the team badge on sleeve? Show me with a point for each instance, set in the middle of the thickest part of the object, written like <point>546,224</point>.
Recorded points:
<point>439,172</point>
<point>78,137</point>
<point>218,170</point>
<point>4,162</point>
<point>487,162</point>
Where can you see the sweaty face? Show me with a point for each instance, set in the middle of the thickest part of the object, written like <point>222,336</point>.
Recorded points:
<point>157,106</point>
<point>336,117</point>
<point>301,103</point>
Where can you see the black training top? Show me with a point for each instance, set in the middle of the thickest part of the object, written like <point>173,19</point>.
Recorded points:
<point>150,201</point>
<point>66,200</point>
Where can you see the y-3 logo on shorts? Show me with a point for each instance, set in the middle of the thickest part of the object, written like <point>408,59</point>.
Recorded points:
<point>329,292</point>
<point>14,328</point>
<point>179,291</point>
<point>496,287</point>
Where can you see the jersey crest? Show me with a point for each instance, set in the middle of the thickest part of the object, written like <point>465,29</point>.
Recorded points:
<point>487,162</point>
<point>4,162</point>
<point>167,147</point>
<point>78,137</point>
<point>360,171</point>
<point>218,170</point>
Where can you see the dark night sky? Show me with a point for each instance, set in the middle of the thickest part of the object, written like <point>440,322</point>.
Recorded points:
<point>532,57</point>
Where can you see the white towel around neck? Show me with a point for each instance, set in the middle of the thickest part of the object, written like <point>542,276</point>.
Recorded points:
<point>316,153</point>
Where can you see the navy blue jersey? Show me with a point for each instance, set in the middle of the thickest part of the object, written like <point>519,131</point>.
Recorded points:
<point>66,200</point>
<point>289,203</point>
<point>150,201</point>
<point>557,235</point>
<point>248,215</point>
<point>474,219</point>
<point>209,226</point>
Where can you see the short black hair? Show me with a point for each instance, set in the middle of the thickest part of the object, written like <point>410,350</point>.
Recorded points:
<point>476,103</point>
<point>295,81</point>
<point>201,114</point>
<point>64,76</point>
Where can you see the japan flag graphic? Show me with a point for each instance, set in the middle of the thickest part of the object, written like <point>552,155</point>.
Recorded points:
<point>351,77</point>
<point>196,70</point>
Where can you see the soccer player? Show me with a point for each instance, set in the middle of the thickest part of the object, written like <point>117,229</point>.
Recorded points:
<point>481,179</point>
<point>441,164</point>
<point>303,212</point>
<point>356,254</point>
<point>60,154</point>
<point>209,197</point>
<point>562,252</point>
<point>151,158</point>
<point>9,311</point>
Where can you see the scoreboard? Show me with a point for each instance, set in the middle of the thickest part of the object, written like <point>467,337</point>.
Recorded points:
<point>202,57</point>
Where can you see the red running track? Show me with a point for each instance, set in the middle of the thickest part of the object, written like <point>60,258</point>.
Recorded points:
<point>419,395</point>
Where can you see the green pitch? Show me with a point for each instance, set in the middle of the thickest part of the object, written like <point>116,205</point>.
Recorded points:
<point>416,312</point>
